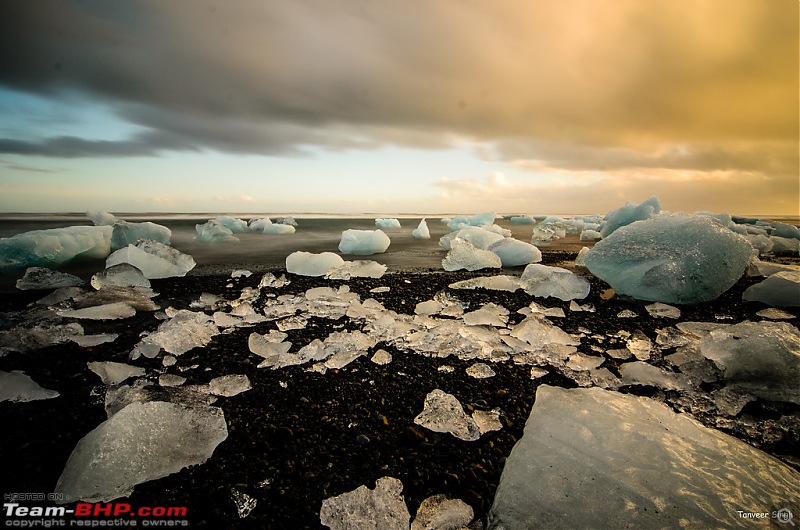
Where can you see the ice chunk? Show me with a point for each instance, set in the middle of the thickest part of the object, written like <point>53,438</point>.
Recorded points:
<point>387,223</point>
<point>442,412</point>
<point>659,310</point>
<point>580,259</point>
<point>122,275</point>
<point>214,232</point>
<point>119,397</point>
<point>760,357</point>
<point>126,233</point>
<point>154,259</point>
<point>488,315</point>
<point>480,371</point>
<point>421,231</point>
<point>455,223</point>
<point>775,314</point>
<point>285,220</point>
<point>500,282</point>
<point>487,421</point>
<point>55,246</point>
<point>308,264</point>
<point>538,332</point>
<point>171,380</point>
<point>478,236</point>
<point>233,224</point>
<point>545,281</point>
<point>756,267</point>
<point>112,373</point>
<point>89,341</point>
<point>61,294</point>
<point>113,311</point>
<point>364,509</point>
<point>279,229</point>
<point>40,336</point>
<point>18,387</point>
<point>514,252</point>
<point>142,442</point>
<point>672,258</point>
<point>781,289</point>
<point>639,345</point>
<point>363,242</point>
<point>430,307</point>
<point>784,246</point>
<point>581,362</point>
<point>184,331</point>
<point>269,280</point>
<point>785,230</point>
<point>463,255</point>
<point>244,503</point>
<point>357,269</point>
<point>628,214</point>
<point>39,278</point>
<point>381,357</point>
<point>639,373</point>
<point>626,313</point>
<point>229,385</point>
<point>522,220</point>
<point>101,218</point>
<point>138,298</point>
<point>441,513</point>
<point>590,235</point>
<point>591,458</point>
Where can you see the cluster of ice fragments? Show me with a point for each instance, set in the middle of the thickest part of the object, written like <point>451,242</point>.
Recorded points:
<point>482,246</point>
<point>332,266</point>
<point>223,228</point>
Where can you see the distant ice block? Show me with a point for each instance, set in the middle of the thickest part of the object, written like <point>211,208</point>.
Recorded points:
<point>286,220</point>
<point>18,387</point>
<point>235,225</point>
<point>785,246</point>
<point>576,467</point>
<point>522,220</point>
<point>442,412</point>
<point>113,373</point>
<point>421,231</point>
<point>213,231</point>
<point>628,214</point>
<point>781,289</point>
<point>363,242</point>
<point>546,281</point>
<point>460,221</point>
<point>154,259</point>
<point>142,442</point>
<point>463,255</point>
<point>122,275</point>
<point>387,223</point>
<point>365,509</point>
<point>101,218</point>
<point>308,264</point>
<point>761,357</point>
<point>278,229</point>
<point>126,233</point>
<point>55,246</point>
<point>590,235</point>
<point>39,278</point>
<point>513,252</point>
<point>673,258</point>
<point>785,230</point>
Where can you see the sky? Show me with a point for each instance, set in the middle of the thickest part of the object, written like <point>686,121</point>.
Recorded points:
<point>354,106</point>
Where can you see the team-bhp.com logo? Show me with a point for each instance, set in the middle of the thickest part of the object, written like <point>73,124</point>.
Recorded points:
<point>94,515</point>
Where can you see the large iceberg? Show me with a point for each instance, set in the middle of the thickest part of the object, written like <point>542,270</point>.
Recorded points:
<point>591,458</point>
<point>143,441</point>
<point>125,233</point>
<point>55,246</point>
<point>363,242</point>
<point>673,258</point>
<point>308,264</point>
<point>628,214</point>
<point>154,259</point>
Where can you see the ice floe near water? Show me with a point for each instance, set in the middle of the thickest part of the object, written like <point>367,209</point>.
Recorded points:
<point>154,259</point>
<point>591,458</point>
<point>40,278</point>
<point>780,289</point>
<point>421,231</point>
<point>18,387</point>
<point>55,246</point>
<point>672,258</point>
<point>142,442</point>
<point>363,242</point>
<point>463,255</point>
<point>368,509</point>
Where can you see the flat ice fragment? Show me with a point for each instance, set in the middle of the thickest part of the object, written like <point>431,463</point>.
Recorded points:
<point>269,345</point>
<point>514,252</point>
<point>62,294</point>
<point>463,255</point>
<point>356,269</point>
<point>229,385</point>
<point>363,242</point>
<point>235,225</point>
<point>154,259</point>
<point>55,246</point>
<point>387,223</point>
<point>781,289</point>
<point>626,313</point>
<point>775,314</point>
<point>244,503</point>
<point>381,289</point>
<point>442,412</point>
<point>639,345</point>
<point>113,311</point>
<point>364,509</point>
<point>500,282</point>
<point>590,235</point>
<point>142,442</point>
<point>18,387</point>
<point>421,231</point>
<point>38,278</point>
<point>430,307</point>
<point>659,310</point>
<point>112,373</point>
<point>278,229</point>
<point>89,341</point>
<point>171,380</point>
<point>241,273</point>
<point>125,233</point>
<point>762,358</point>
<point>580,259</point>
<point>581,362</point>
<point>142,391</point>
<point>539,332</point>
<point>41,336</point>
<point>308,264</point>
<point>592,458</point>
<point>122,275</point>
<point>622,353</point>
<point>439,512</point>
<point>488,315</point>
<point>183,332</point>
<point>537,373</point>
<point>546,281</point>
<point>270,280</point>
<point>480,371</point>
<point>628,214</point>
<point>381,357</point>
<point>673,258</point>
<point>731,400</point>
<point>639,373</point>
<point>341,359</point>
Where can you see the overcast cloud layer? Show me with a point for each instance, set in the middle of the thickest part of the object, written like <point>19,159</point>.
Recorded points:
<point>674,89</point>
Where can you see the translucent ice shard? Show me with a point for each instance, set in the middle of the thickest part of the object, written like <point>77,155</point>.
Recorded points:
<point>539,332</point>
<point>591,458</point>
<point>381,357</point>
<point>126,233</point>
<point>364,509</point>
<point>781,289</point>
<point>244,503</point>
<point>672,258</point>
<point>513,252</point>
<point>229,385</point>
<point>387,223</point>
<point>43,278</point>
<point>639,345</point>
<point>54,246</point>
<point>18,387</point>
<point>112,373</point>
<point>659,310</point>
<point>463,255</point>
<point>639,373</point>
<point>442,513</point>
<point>270,280</point>
<point>114,311</point>
<point>487,420</point>
<point>501,282</point>
<point>184,331</point>
<point>442,412</point>
<point>154,259</point>
<point>421,231</point>
<point>488,315</point>
<point>122,275</point>
<point>356,269</point>
<point>544,281</point>
<point>88,341</point>
<point>142,442</point>
<point>480,371</point>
